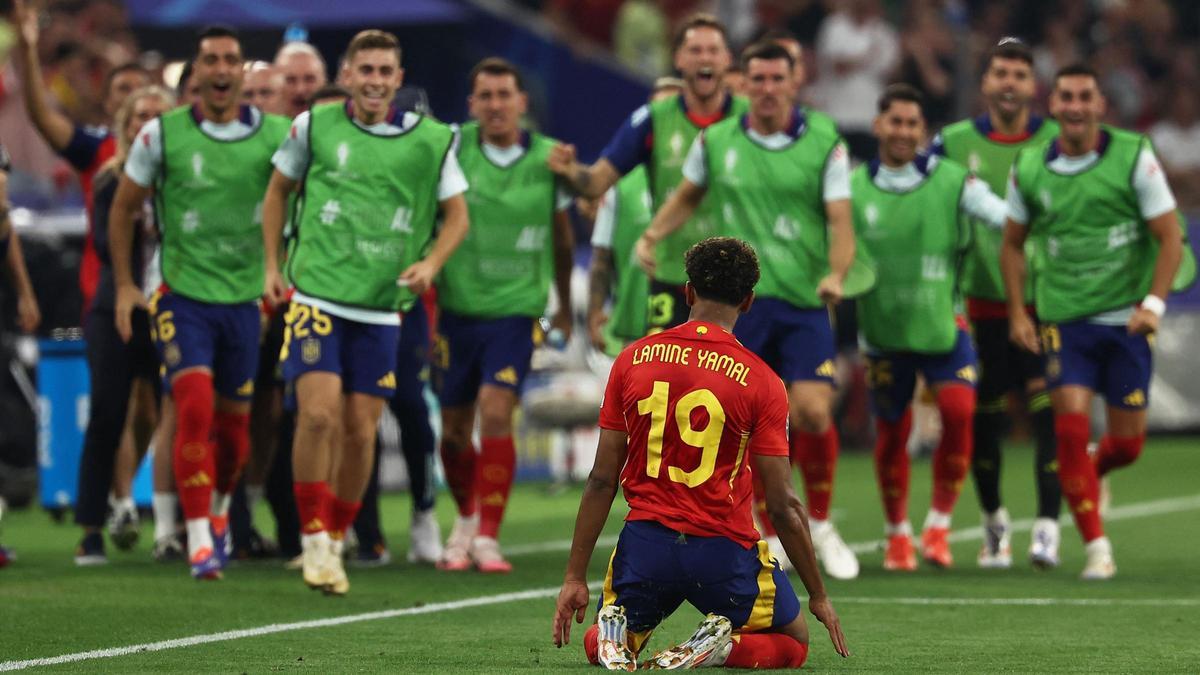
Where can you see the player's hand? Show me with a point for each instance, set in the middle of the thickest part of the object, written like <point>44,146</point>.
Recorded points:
<point>830,290</point>
<point>26,21</point>
<point>822,608</point>
<point>587,208</point>
<point>418,277</point>
<point>596,322</point>
<point>1022,332</point>
<point>572,599</point>
<point>128,297</point>
<point>561,159</point>
<point>29,316</point>
<point>644,249</point>
<point>1143,322</point>
<point>274,289</point>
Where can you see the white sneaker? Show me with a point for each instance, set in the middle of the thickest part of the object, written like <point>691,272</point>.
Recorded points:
<point>708,647</point>
<point>612,647</point>
<point>424,538</point>
<point>1043,544</point>
<point>836,557</point>
<point>314,565</point>
<point>456,557</point>
<point>485,553</point>
<point>1100,563</point>
<point>775,547</point>
<point>336,581</point>
<point>996,552</point>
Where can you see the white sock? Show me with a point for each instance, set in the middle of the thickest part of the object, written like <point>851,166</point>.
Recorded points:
<point>254,495</point>
<point>220,504</point>
<point>936,518</point>
<point>901,528</point>
<point>164,504</point>
<point>199,535</point>
<point>998,517</point>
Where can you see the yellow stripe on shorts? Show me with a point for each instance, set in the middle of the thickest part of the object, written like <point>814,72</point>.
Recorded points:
<point>763,613</point>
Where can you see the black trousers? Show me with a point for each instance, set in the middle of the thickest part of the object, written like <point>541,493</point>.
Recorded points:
<point>113,365</point>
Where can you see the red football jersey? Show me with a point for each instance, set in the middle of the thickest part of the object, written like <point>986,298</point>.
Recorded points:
<point>695,405</point>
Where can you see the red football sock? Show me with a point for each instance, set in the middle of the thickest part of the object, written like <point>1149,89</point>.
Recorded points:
<point>460,476</point>
<point>1116,452</point>
<point>1080,484</point>
<point>892,466</point>
<point>493,482</point>
<point>766,527</point>
<point>766,650</point>
<point>952,459</point>
<point>817,456</point>
<point>341,515</point>
<point>314,504</point>
<point>195,465</point>
<point>591,644</point>
<point>232,434</point>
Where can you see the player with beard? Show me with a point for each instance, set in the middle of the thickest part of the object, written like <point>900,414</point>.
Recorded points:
<point>778,178</point>
<point>658,136</point>
<point>987,145</point>
<point>1097,204</point>
<point>207,166</point>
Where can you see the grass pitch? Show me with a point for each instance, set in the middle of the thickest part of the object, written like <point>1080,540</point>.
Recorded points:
<point>414,619</point>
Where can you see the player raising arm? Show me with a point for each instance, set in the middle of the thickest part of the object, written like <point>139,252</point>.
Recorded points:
<point>375,179</point>
<point>1097,204</point>
<point>684,412</point>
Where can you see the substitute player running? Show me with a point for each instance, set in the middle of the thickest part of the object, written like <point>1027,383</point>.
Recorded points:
<point>207,166</point>
<point>911,218</point>
<point>688,415</point>
<point>375,180</point>
<point>1097,204</point>
<point>658,136</point>
<point>491,293</point>
<point>622,216</point>
<point>779,178</point>
<point>987,145</point>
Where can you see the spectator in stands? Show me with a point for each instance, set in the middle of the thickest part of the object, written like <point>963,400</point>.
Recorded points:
<point>642,38</point>
<point>263,87</point>
<point>1177,140</point>
<point>928,64</point>
<point>857,52</point>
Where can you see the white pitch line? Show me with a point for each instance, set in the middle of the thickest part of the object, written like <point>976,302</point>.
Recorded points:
<point>270,629</point>
<point>1138,510</point>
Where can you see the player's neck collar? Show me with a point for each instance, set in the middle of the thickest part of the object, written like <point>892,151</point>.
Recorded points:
<point>983,124</point>
<point>524,139</point>
<point>794,127</point>
<point>394,116</point>
<point>245,115</point>
<point>923,163</point>
<point>1055,151</point>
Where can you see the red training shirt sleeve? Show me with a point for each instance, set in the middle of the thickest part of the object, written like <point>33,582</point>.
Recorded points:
<point>770,434</point>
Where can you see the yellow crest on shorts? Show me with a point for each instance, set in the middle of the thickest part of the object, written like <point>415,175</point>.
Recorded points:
<point>310,351</point>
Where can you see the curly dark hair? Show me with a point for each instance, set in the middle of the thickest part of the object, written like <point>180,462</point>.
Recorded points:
<point>722,269</point>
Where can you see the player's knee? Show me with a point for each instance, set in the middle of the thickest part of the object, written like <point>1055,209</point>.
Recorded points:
<point>956,403</point>
<point>316,421</point>
<point>591,644</point>
<point>495,418</point>
<point>812,417</point>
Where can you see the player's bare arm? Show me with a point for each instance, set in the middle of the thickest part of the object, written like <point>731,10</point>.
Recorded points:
<point>1165,229</point>
<point>1012,268</point>
<point>598,494</point>
<point>419,276</point>
<point>840,221</point>
<point>681,205</point>
<point>589,181</point>
<point>600,280</point>
<point>274,213</point>
<point>127,204</point>
<point>791,523</point>
<point>54,126</point>
<point>28,314</point>
<point>564,263</point>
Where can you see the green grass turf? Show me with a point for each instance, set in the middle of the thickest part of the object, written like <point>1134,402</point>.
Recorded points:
<point>49,607</point>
